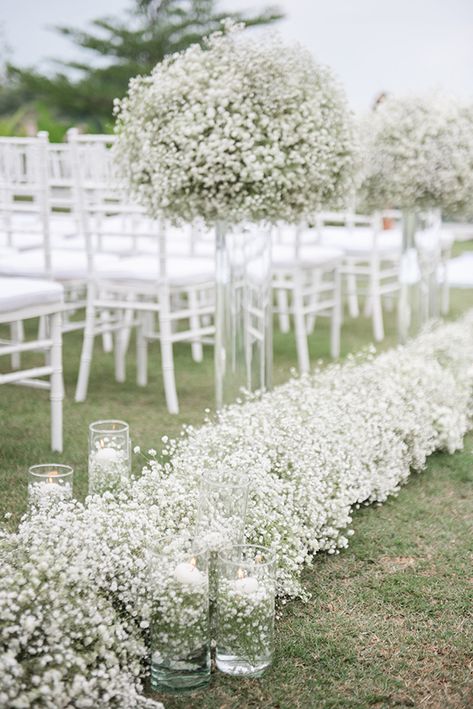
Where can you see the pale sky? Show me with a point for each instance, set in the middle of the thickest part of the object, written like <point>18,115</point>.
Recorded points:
<point>372,45</point>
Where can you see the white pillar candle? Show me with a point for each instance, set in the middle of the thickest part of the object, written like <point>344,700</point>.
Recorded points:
<point>246,585</point>
<point>105,456</point>
<point>188,573</point>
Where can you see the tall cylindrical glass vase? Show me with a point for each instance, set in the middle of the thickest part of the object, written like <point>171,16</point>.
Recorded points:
<point>245,610</point>
<point>428,243</point>
<point>419,273</point>
<point>109,456</point>
<point>243,319</point>
<point>179,627</point>
<point>409,293</point>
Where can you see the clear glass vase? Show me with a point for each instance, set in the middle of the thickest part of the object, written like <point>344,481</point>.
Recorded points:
<point>109,456</point>
<point>48,481</point>
<point>428,244</point>
<point>221,513</point>
<point>243,318</point>
<point>245,610</point>
<point>220,522</point>
<point>179,627</point>
<point>419,281</point>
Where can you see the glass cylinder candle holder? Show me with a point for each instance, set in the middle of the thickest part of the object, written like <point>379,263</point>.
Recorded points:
<point>221,513</point>
<point>220,521</point>
<point>109,456</point>
<point>49,480</point>
<point>245,610</point>
<point>179,627</point>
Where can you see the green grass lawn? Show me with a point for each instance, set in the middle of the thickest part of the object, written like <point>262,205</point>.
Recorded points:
<point>389,623</point>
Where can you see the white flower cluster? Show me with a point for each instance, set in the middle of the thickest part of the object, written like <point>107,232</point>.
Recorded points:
<point>418,153</point>
<point>70,634</point>
<point>245,622</point>
<point>244,128</point>
<point>75,590</point>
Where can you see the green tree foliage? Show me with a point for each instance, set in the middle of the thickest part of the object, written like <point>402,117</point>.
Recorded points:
<point>118,49</point>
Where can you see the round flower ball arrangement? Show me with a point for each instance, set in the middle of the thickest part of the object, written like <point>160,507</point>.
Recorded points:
<point>418,157</point>
<point>240,133</point>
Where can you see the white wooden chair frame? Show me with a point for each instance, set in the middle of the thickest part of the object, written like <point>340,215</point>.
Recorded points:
<point>307,291</point>
<point>378,270</point>
<point>32,377</point>
<point>114,306</point>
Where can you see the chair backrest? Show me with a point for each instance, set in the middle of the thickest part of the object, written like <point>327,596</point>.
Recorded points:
<point>349,222</point>
<point>24,191</point>
<point>109,221</point>
<point>60,177</point>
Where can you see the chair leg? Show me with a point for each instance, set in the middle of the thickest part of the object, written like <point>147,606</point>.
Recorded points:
<point>194,319</point>
<point>283,310</point>
<point>300,328</point>
<point>120,348</point>
<point>17,335</point>
<point>141,351</point>
<point>445,294</point>
<point>42,328</point>
<point>87,346</point>
<point>336,320</point>
<point>388,303</point>
<point>57,386</point>
<point>377,308</point>
<point>107,339</point>
<point>167,355</point>
<point>126,331</point>
<point>310,323</point>
<point>353,307</point>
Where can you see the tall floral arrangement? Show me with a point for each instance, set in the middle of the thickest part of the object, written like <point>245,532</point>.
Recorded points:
<point>243,128</point>
<point>418,154</point>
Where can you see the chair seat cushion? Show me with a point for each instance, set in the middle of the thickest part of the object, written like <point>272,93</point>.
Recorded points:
<point>146,268</point>
<point>460,271</point>
<point>7,252</point>
<point>360,241</point>
<point>16,293</point>
<point>284,256</point>
<point>66,264</point>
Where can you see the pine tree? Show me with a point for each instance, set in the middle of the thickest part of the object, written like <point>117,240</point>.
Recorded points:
<point>84,91</point>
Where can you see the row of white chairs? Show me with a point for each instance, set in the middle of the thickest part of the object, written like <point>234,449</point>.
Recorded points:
<point>65,217</point>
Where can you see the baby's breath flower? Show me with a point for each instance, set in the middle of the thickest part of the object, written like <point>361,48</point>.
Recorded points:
<point>417,152</point>
<point>75,589</point>
<point>244,128</point>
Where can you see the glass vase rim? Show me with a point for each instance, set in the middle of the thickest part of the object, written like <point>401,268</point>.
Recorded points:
<point>267,551</point>
<point>180,555</point>
<point>243,482</point>
<point>67,470</point>
<point>123,427</point>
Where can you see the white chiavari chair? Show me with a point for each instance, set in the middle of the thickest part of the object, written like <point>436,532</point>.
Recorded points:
<point>371,261</point>
<point>164,296</point>
<point>306,282</point>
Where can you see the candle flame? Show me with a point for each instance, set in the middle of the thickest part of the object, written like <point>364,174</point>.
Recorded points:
<point>194,561</point>
<point>53,474</point>
<point>241,573</point>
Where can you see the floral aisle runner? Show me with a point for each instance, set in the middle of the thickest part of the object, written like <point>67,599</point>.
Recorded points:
<point>74,597</point>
